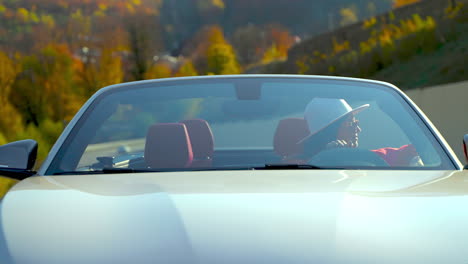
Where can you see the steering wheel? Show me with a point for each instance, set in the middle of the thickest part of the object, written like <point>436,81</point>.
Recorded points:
<point>348,157</point>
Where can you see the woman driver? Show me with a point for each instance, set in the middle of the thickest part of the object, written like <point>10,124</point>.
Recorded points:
<point>332,124</point>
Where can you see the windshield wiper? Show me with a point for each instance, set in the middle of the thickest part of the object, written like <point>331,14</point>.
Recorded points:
<point>265,167</point>
<point>288,167</point>
<point>107,171</point>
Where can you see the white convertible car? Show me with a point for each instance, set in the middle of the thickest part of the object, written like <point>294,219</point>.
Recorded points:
<point>239,169</point>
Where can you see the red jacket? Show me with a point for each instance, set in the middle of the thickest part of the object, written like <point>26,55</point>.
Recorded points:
<point>397,156</point>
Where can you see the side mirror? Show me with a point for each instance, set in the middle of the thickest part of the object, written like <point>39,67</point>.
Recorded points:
<point>465,150</point>
<point>18,158</point>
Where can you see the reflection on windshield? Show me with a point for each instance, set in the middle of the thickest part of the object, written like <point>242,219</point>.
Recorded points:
<point>215,123</point>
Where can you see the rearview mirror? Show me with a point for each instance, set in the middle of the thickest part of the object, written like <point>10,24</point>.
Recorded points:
<point>250,109</point>
<point>465,150</point>
<point>17,159</point>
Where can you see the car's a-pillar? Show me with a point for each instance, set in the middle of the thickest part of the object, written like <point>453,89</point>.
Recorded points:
<point>465,150</point>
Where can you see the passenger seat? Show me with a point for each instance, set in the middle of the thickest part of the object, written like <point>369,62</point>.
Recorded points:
<point>168,146</point>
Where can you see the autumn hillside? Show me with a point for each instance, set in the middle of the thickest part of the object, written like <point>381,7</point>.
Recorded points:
<point>420,44</point>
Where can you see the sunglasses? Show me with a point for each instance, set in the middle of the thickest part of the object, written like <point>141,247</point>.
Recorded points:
<point>353,123</point>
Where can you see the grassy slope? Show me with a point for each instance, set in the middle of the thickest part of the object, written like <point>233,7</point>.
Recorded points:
<point>444,65</point>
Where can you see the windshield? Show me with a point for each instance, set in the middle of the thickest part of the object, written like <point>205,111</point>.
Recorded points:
<point>249,122</point>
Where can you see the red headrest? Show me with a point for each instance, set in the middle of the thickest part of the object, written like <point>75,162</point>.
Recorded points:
<point>288,133</point>
<point>168,146</point>
<point>201,137</point>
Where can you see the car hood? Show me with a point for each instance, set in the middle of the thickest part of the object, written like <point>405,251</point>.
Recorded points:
<point>287,216</point>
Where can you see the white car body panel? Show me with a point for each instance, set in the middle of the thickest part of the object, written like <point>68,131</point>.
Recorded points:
<point>284,216</point>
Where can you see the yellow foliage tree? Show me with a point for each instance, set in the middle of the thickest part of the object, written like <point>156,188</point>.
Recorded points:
<point>46,89</point>
<point>2,9</point>
<point>3,139</point>
<point>209,4</point>
<point>5,185</point>
<point>8,72</point>
<point>57,81</point>
<point>348,16</point>
<point>215,35</point>
<point>271,54</point>
<point>186,69</point>
<point>22,14</point>
<point>221,58</point>
<point>95,72</point>
<point>110,68</point>
<point>11,121</point>
<point>339,47</point>
<point>159,70</point>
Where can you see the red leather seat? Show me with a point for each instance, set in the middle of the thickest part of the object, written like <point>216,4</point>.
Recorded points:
<point>202,140</point>
<point>168,146</point>
<point>287,135</point>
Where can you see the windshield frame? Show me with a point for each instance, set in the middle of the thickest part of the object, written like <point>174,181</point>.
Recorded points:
<point>76,123</point>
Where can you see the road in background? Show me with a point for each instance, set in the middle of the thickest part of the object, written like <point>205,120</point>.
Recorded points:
<point>447,108</point>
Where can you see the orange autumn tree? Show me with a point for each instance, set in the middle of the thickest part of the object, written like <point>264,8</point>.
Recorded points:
<point>400,3</point>
<point>281,41</point>
<point>195,49</point>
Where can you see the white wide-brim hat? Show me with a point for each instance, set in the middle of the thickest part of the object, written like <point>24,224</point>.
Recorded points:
<point>322,112</point>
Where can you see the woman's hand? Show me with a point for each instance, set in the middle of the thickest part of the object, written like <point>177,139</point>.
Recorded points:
<point>338,144</point>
